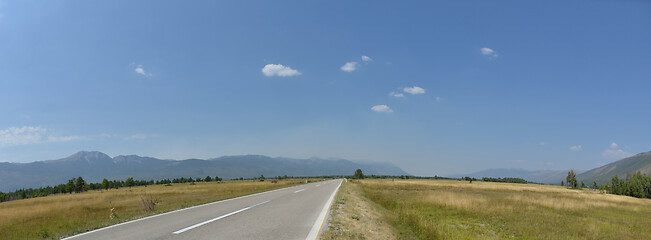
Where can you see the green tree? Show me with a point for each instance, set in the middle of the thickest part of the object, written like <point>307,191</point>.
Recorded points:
<point>70,186</point>
<point>129,182</point>
<point>106,184</point>
<point>571,179</point>
<point>207,179</point>
<point>358,174</point>
<point>80,185</point>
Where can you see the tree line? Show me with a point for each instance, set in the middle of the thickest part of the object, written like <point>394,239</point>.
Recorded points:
<point>78,185</point>
<point>636,185</point>
<point>505,180</point>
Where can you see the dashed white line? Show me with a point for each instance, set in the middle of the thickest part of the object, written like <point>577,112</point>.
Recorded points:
<point>217,218</point>
<point>299,190</point>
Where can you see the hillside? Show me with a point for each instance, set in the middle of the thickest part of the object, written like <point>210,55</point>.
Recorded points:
<point>95,166</point>
<point>639,162</point>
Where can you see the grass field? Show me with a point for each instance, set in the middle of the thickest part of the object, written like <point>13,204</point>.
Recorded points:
<point>66,214</point>
<point>443,209</point>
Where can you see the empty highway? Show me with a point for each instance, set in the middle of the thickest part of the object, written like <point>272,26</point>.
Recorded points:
<point>290,213</point>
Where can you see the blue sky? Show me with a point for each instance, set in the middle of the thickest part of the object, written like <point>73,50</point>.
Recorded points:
<point>433,87</point>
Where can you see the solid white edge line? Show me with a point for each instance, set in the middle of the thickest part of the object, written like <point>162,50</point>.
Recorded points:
<point>316,228</point>
<point>299,190</point>
<point>178,210</point>
<point>220,217</point>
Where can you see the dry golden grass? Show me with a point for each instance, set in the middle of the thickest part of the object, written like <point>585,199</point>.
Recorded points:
<point>442,209</point>
<point>66,214</point>
<point>354,216</point>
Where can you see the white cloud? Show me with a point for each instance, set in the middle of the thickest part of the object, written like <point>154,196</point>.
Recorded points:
<point>488,52</point>
<point>614,145</point>
<point>349,66</point>
<point>280,70</point>
<point>395,94</point>
<point>382,108</point>
<point>440,99</point>
<point>615,153</point>
<point>576,148</point>
<point>25,135</point>
<point>140,70</point>
<point>414,90</point>
<point>542,143</point>
<point>366,59</point>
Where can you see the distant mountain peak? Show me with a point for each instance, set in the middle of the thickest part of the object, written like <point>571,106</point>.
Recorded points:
<point>89,154</point>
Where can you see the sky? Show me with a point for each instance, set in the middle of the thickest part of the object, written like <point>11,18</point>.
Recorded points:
<point>434,87</point>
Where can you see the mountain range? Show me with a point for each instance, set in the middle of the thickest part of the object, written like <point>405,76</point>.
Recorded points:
<point>95,166</point>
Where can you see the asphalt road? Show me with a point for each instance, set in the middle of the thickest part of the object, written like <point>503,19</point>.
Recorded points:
<point>290,213</point>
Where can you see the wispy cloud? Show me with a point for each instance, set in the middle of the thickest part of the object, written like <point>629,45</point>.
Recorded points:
<point>576,148</point>
<point>366,59</point>
<point>139,136</point>
<point>488,52</point>
<point>542,143</point>
<point>395,94</point>
<point>280,70</point>
<point>349,66</point>
<point>14,136</point>
<point>382,109</point>
<point>616,153</point>
<point>439,99</point>
<point>414,90</point>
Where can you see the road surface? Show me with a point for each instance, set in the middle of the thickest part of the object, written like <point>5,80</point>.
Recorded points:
<point>290,213</point>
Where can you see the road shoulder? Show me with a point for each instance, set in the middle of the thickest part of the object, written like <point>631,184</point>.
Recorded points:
<point>354,216</point>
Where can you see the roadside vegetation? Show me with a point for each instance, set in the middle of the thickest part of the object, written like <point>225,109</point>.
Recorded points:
<point>61,215</point>
<point>447,209</point>
<point>354,216</point>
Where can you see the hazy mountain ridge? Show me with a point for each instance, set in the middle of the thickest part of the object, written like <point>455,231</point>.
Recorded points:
<point>639,162</point>
<point>95,166</point>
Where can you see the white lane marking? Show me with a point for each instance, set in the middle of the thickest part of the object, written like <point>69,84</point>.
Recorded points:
<point>318,185</point>
<point>299,190</point>
<point>314,233</point>
<point>178,210</point>
<point>217,218</point>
